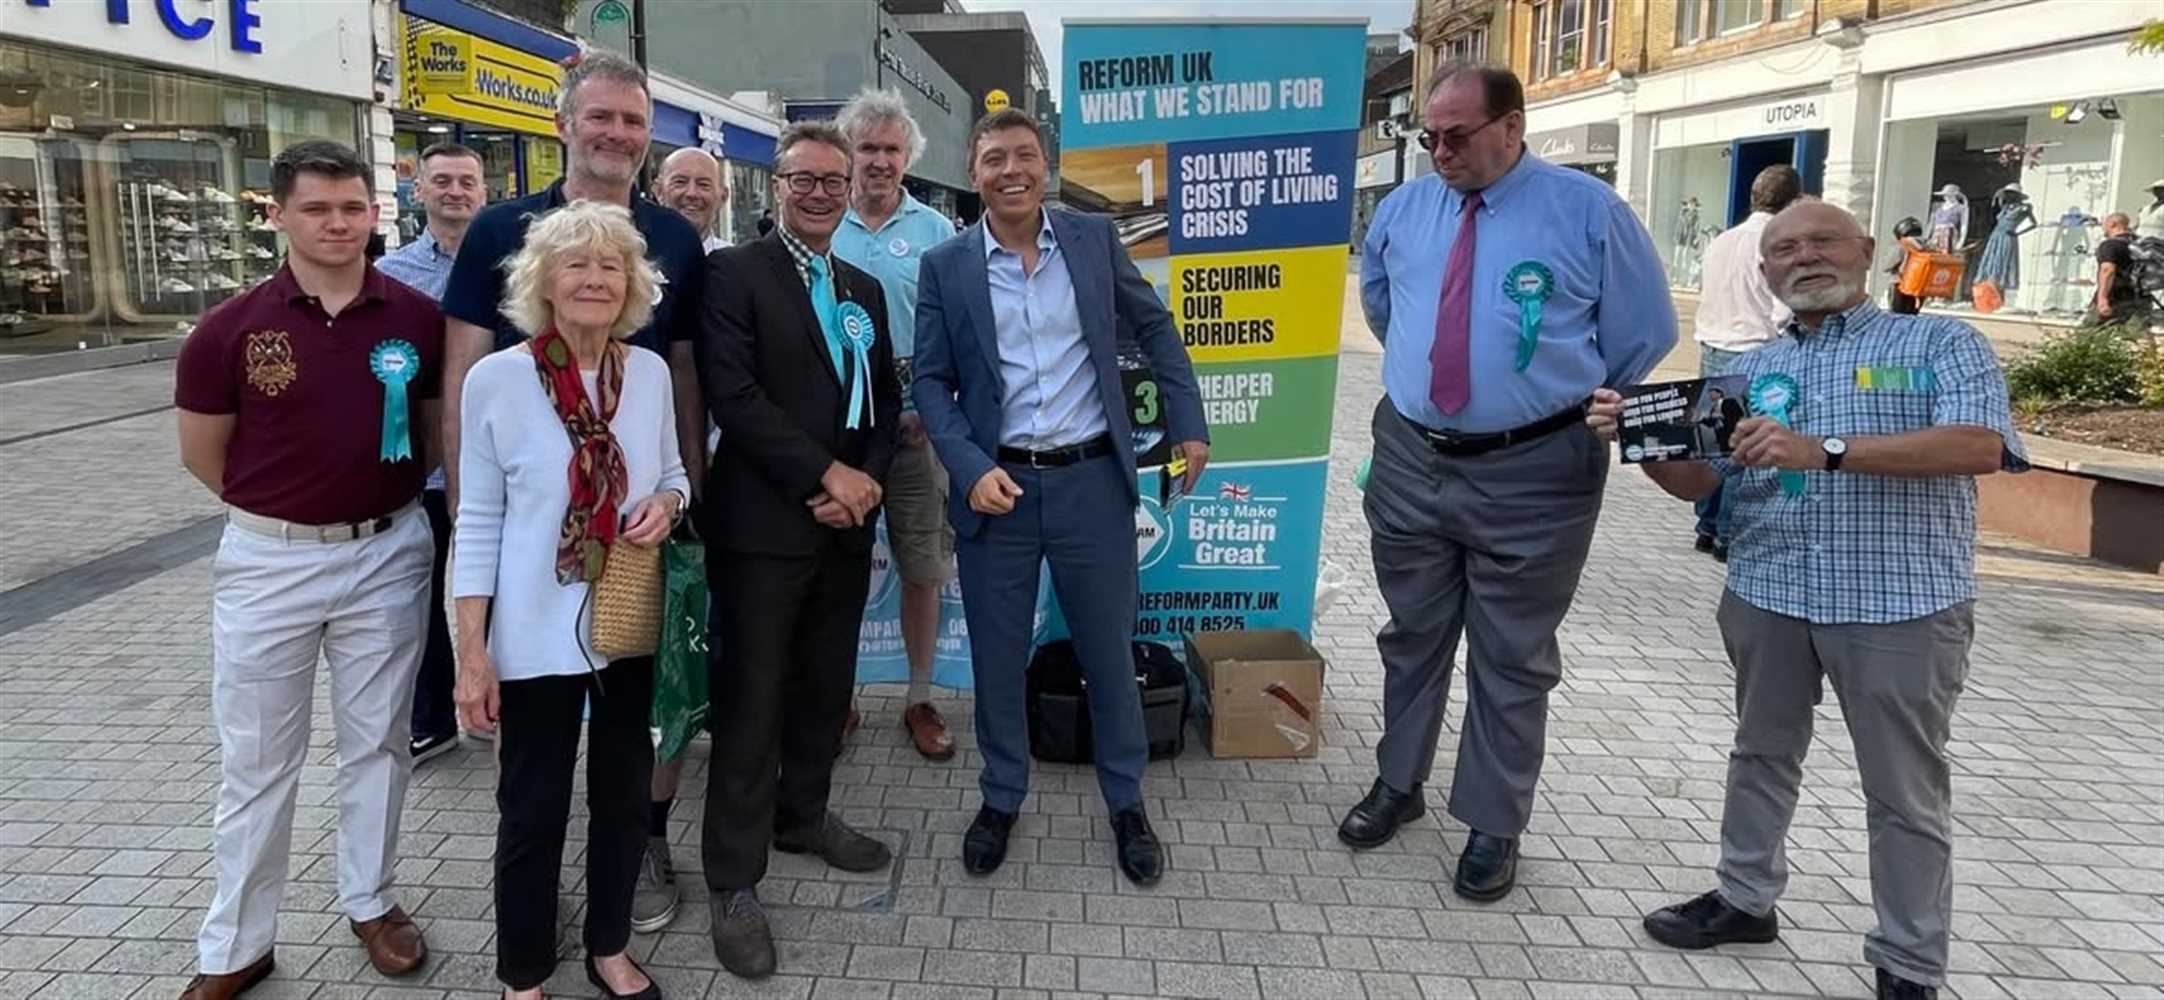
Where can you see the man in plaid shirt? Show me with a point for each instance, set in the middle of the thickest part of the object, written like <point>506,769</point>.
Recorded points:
<point>1853,560</point>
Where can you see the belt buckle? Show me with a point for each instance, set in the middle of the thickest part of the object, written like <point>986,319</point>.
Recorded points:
<point>1448,439</point>
<point>1036,460</point>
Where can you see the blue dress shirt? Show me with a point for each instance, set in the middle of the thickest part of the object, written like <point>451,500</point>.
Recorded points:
<point>1608,320</point>
<point>1050,399</point>
<point>891,253</point>
<point>419,264</point>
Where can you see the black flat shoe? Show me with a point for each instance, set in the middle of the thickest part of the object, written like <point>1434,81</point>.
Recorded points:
<point>1708,920</point>
<point>1893,987</point>
<point>1488,868</point>
<point>593,975</point>
<point>1376,819</point>
<point>1141,859</point>
<point>984,847</point>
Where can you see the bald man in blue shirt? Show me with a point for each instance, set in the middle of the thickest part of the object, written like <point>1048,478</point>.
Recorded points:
<point>1505,290</point>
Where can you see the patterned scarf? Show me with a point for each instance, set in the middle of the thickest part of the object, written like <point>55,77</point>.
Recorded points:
<point>598,481</point>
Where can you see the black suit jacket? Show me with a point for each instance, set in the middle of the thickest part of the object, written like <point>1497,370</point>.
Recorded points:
<point>772,388</point>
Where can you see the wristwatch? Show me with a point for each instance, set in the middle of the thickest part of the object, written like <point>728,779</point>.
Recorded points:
<point>1836,449</point>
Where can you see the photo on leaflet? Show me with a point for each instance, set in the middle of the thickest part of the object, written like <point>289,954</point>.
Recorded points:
<point>1678,421</point>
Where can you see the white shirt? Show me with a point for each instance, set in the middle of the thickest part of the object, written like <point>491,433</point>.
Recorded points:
<point>513,491</point>
<point>1736,310</point>
<point>712,243</point>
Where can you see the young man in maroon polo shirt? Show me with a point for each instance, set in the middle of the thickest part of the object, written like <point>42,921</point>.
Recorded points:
<point>308,404</point>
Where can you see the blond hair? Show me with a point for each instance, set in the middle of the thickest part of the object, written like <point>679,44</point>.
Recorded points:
<point>584,225</point>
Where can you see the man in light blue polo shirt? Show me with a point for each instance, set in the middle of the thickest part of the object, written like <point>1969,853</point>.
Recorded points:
<point>885,233</point>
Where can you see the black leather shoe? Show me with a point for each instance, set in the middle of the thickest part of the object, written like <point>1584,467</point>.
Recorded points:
<point>1141,860</point>
<point>593,975</point>
<point>742,941</point>
<point>985,845</point>
<point>1893,987</point>
<point>1376,819</point>
<point>1704,543</point>
<point>837,844</point>
<point>1488,868</point>
<point>1707,921</point>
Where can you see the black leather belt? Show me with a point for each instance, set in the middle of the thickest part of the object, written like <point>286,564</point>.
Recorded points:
<point>1093,448</point>
<point>1460,445</point>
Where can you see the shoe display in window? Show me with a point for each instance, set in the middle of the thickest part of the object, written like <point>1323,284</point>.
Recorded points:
<point>174,286</point>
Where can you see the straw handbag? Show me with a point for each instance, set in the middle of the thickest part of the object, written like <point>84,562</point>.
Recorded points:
<point>627,602</point>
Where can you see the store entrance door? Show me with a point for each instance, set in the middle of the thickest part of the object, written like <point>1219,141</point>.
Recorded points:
<point>1806,151</point>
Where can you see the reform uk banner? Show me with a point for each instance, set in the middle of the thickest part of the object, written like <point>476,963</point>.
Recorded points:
<point>1224,149</point>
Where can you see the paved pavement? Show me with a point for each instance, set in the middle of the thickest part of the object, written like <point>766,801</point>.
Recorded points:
<point>108,767</point>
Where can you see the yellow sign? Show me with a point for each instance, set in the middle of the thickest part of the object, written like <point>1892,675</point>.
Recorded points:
<point>1258,304</point>
<point>455,75</point>
<point>995,101</point>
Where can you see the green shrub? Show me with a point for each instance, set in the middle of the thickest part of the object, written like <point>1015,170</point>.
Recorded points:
<point>2092,365</point>
<point>2149,372</point>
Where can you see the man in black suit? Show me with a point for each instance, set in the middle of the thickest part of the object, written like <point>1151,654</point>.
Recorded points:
<point>797,369</point>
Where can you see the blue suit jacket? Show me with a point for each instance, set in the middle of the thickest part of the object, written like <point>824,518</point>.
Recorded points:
<point>955,378</point>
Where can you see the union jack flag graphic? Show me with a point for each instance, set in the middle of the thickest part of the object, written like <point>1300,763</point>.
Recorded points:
<point>1235,491</point>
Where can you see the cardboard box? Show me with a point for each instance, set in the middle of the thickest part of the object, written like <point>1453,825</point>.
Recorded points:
<point>1256,694</point>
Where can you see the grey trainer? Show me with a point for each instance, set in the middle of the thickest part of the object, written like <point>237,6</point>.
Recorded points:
<point>653,900</point>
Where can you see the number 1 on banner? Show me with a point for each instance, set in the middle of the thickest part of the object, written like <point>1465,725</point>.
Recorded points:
<point>1147,169</point>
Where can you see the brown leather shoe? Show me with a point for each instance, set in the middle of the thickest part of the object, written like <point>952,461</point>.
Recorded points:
<point>227,985</point>
<point>928,731</point>
<point>394,943</point>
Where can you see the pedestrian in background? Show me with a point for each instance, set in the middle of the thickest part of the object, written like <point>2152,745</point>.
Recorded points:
<point>449,185</point>
<point>886,232</point>
<point>1855,516</point>
<point>1505,290</point>
<point>795,355</point>
<point>1032,423</point>
<point>2119,299</point>
<point>308,405</point>
<point>1908,243</point>
<point>570,453</point>
<point>694,185</point>
<point>1737,312</point>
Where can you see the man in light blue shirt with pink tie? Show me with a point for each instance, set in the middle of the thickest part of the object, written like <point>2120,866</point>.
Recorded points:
<point>1505,290</point>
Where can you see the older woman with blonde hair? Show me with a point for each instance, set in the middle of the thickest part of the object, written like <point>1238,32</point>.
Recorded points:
<point>570,448</point>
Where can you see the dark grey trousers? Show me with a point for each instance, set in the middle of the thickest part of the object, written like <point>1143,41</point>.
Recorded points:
<point>1897,683</point>
<point>1489,547</point>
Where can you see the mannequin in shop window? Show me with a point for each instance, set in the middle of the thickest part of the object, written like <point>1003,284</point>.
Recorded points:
<point>2070,260</point>
<point>1950,221</point>
<point>1684,259</point>
<point>2001,260</point>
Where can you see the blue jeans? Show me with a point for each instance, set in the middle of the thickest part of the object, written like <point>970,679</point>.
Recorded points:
<point>1712,516</point>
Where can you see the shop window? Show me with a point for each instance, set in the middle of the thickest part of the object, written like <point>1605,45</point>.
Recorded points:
<point>1735,15</point>
<point>751,194</point>
<point>1465,46</point>
<point>1698,20</point>
<point>1570,36</point>
<point>1784,10</point>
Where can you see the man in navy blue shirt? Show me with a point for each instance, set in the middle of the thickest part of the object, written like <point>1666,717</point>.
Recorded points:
<point>604,116</point>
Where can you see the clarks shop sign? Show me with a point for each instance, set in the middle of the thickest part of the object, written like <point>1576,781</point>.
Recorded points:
<point>324,46</point>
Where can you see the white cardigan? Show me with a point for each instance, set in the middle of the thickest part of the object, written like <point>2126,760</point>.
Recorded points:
<point>513,489</point>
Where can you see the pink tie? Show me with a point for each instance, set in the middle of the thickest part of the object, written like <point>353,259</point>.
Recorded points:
<point>1450,357</point>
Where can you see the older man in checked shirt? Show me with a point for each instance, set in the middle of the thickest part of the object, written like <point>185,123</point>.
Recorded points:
<point>1853,560</point>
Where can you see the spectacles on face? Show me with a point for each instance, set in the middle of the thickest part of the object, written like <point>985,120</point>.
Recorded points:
<point>1454,140</point>
<point>1819,245</point>
<point>803,181</point>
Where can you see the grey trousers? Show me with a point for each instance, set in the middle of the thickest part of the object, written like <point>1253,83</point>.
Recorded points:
<point>1489,547</point>
<point>1897,684</point>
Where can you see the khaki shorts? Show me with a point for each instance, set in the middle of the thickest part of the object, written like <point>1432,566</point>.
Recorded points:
<point>916,506</point>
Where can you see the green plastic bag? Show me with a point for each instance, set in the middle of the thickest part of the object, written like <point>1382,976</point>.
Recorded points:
<point>680,697</point>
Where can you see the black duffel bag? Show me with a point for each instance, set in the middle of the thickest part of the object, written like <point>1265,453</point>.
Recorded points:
<point>1058,702</point>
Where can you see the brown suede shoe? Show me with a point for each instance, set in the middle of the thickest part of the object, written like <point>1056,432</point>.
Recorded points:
<point>928,731</point>
<point>394,943</point>
<point>227,985</point>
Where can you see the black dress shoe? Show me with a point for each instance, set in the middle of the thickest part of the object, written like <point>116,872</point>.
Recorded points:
<point>742,941</point>
<point>1376,819</point>
<point>837,844</point>
<point>1141,860</point>
<point>593,975</point>
<point>1488,868</point>
<point>985,845</point>
<point>1893,987</point>
<point>1707,921</point>
<point>1704,543</point>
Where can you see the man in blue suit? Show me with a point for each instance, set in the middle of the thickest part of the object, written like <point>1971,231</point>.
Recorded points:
<point>1017,385</point>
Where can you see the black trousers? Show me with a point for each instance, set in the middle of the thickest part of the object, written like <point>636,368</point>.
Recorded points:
<point>537,737</point>
<point>783,667</point>
<point>434,714</point>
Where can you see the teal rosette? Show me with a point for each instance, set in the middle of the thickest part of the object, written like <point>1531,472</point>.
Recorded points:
<point>857,333</point>
<point>395,363</point>
<point>1528,283</point>
<point>1773,396</point>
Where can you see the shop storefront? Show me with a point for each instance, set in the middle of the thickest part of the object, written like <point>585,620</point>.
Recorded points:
<point>2072,130</point>
<point>474,77</point>
<point>1704,162</point>
<point>741,138</point>
<point>135,155</point>
<point>1589,148</point>
<point>1374,177</point>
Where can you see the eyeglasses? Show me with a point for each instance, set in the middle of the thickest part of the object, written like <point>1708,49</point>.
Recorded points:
<point>802,182</point>
<point>1455,141</point>
<point>1819,245</point>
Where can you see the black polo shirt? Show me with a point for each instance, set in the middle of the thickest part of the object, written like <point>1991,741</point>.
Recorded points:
<point>475,291</point>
